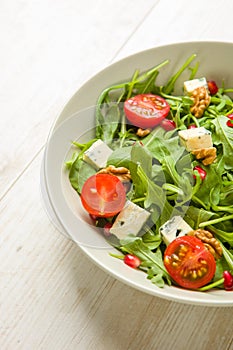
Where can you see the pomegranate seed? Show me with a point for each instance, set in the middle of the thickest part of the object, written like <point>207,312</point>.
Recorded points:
<point>228,280</point>
<point>107,227</point>
<point>93,217</point>
<point>212,86</point>
<point>192,126</point>
<point>230,116</point>
<point>168,124</point>
<point>230,123</point>
<point>132,261</point>
<point>201,172</point>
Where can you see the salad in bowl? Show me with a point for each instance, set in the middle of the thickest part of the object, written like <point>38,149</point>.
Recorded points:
<point>157,177</point>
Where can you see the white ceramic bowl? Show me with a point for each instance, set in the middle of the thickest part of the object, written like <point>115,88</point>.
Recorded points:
<point>77,121</point>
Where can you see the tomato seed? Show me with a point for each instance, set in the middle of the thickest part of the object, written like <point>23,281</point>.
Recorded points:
<point>194,274</point>
<point>203,262</point>
<point>183,248</point>
<point>182,254</point>
<point>167,259</point>
<point>184,272</point>
<point>175,257</point>
<point>203,270</point>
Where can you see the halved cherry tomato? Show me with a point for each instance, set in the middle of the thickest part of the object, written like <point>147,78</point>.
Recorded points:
<point>103,195</point>
<point>146,110</point>
<point>189,263</point>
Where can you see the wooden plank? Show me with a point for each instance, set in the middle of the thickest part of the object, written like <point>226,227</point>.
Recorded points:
<point>178,21</point>
<point>53,297</point>
<point>50,49</point>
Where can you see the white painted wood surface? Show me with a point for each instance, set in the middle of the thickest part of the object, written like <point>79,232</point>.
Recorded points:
<point>51,295</point>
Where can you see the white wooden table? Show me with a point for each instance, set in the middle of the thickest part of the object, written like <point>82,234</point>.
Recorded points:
<point>51,295</point>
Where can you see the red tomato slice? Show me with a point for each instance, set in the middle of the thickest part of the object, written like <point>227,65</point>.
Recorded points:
<point>146,110</point>
<point>189,263</point>
<point>103,195</point>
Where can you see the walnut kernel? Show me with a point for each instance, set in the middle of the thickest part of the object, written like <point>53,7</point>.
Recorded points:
<point>207,155</point>
<point>201,101</point>
<point>122,173</point>
<point>211,243</point>
<point>143,132</point>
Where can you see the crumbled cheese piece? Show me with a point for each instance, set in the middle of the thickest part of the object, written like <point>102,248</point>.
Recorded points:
<point>97,155</point>
<point>130,220</point>
<point>191,85</point>
<point>195,138</point>
<point>173,228</point>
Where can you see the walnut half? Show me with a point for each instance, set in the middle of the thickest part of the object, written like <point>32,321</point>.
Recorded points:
<point>207,155</point>
<point>122,173</point>
<point>211,243</point>
<point>201,101</point>
<point>143,132</point>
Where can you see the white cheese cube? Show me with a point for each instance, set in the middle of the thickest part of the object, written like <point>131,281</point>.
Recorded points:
<point>195,138</point>
<point>176,227</point>
<point>130,220</point>
<point>97,155</point>
<point>191,85</point>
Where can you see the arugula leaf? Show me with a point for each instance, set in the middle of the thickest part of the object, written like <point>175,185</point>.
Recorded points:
<point>160,146</point>
<point>151,261</point>
<point>156,279</point>
<point>224,236</point>
<point>228,256</point>
<point>120,157</point>
<point>221,266</point>
<point>111,122</point>
<point>140,155</point>
<point>226,195</point>
<point>213,178</point>
<point>140,158</point>
<point>79,173</point>
<point>152,239</point>
<point>224,136</point>
<point>194,216</point>
<point>215,195</point>
<point>169,87</point>
<point>155,199</point>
